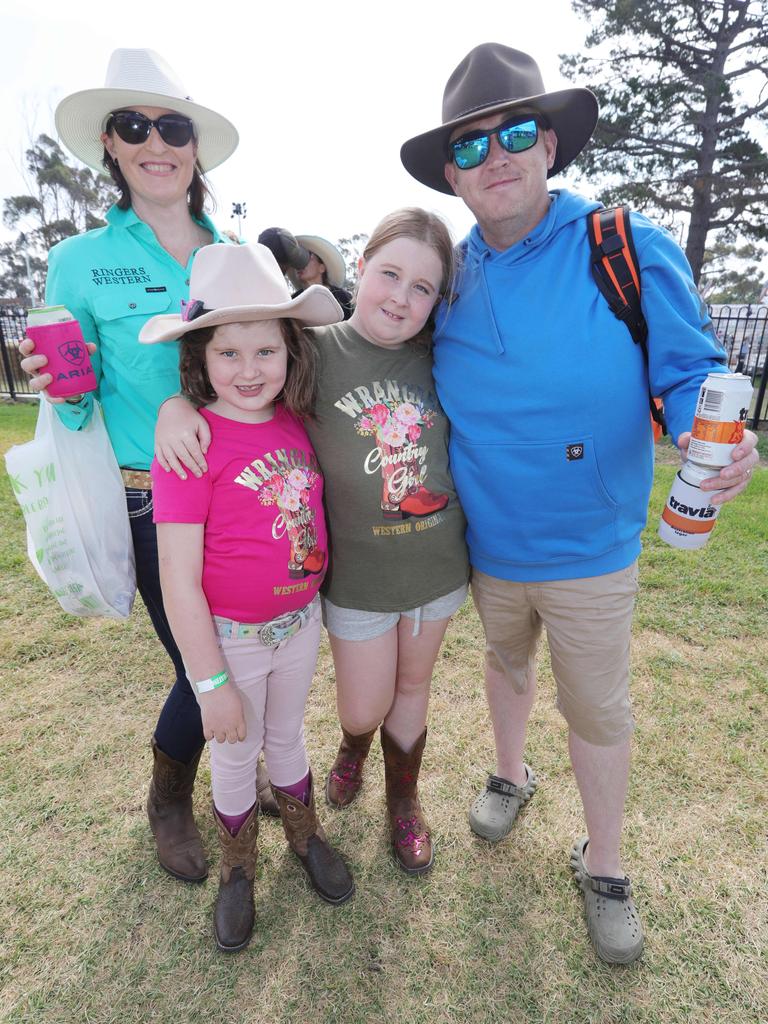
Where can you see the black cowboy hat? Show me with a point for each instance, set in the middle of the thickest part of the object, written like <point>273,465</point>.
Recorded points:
<point>494,78</point>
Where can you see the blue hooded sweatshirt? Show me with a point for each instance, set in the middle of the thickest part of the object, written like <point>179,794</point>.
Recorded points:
<point>551,444</point>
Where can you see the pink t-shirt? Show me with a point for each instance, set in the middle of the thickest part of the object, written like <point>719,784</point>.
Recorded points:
<point>265,546</point>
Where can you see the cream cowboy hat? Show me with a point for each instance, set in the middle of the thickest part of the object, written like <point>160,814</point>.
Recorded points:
<point>493,78</point>
<point>139,78</point>
<point>328,254</point>
<point>237,284</point>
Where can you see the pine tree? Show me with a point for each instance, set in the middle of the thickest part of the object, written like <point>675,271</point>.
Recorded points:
<point>731,274</point>
<point>681,86</point>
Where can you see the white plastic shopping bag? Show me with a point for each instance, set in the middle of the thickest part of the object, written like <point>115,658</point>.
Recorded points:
<point>78,536</point>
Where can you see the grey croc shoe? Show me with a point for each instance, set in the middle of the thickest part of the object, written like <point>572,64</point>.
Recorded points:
<point>612,919</point>
<point>493,813</point>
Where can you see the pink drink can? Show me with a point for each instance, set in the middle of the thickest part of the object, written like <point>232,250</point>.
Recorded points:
<point>57,335</point>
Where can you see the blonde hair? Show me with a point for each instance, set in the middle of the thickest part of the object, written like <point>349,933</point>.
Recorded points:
<point>421,226</point>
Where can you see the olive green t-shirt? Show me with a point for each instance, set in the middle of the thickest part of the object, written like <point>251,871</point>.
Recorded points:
<point>381,437</point>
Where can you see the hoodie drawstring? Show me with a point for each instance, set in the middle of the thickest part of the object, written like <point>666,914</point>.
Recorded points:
<point>491,318</point>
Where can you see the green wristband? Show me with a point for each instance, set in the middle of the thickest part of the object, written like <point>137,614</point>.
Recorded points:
<point>213,683</point>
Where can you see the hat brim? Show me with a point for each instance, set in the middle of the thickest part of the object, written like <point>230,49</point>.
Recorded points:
<point>315,307</point>
<point>80,121</point>
<point>335,266</point>
<point>571,113</point>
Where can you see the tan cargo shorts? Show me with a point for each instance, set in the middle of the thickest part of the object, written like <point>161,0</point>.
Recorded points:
<point>588,623</point>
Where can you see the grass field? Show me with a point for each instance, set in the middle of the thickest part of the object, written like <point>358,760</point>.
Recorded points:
<point>92,931</point>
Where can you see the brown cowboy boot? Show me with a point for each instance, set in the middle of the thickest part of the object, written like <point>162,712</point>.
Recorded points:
<point>169,808</point>
<point>411,840</point>
<point>234,913</point>
<point>267,803</point>
<point>328,874</point>
<point>346,775</point>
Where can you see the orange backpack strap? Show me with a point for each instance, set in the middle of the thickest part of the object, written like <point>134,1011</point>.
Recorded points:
<point>617,275</point>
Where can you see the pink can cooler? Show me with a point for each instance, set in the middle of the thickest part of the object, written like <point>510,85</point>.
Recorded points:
<point>57,335</point>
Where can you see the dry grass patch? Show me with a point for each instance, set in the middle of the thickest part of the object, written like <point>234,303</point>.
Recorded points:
<point>91,929</point>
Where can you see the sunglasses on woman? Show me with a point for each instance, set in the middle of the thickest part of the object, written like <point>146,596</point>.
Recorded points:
<point>132,127</point>
<point>472,149</point>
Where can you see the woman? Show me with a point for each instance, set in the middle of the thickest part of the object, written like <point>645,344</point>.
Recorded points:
<point>326,266</point>
<point>156,144</point>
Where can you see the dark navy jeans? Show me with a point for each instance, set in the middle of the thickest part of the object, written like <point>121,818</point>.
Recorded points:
<point>179,732</point>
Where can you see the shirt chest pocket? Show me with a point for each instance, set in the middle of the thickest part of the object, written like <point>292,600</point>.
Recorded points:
<point>120,314</point>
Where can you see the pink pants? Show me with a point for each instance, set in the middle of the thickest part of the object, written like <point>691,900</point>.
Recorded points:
<point>273,683</point>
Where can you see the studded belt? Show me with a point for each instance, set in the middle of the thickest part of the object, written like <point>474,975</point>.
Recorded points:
<point>269,633</point>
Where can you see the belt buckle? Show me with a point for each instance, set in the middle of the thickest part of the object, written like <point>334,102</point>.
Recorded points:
<point>273,633</point>
<point>268,636</point>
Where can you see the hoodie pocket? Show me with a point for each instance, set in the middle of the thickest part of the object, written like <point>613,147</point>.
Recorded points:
<point>534,504</point>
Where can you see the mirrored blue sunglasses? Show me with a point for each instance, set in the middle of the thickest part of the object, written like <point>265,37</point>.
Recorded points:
<point>472,149</point>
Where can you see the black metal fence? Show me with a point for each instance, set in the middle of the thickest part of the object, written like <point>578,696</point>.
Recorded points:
<point>13,381</point>
<point>742,329</point>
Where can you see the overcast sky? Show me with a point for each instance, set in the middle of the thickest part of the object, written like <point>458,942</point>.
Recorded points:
<point>323,94</point>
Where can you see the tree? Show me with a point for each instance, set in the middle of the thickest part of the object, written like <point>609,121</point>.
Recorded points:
<point>352,249</point>
<point>63,200</point>
<point>725,282</point>
<point>681,86</point>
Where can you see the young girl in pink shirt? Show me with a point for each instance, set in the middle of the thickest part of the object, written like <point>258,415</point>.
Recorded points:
<point>398,567</point>
<point>243,551</point>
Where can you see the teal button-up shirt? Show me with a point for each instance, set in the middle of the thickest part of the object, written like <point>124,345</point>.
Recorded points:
<point>112,280</point>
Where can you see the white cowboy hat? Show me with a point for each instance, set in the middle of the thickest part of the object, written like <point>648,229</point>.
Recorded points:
<point>327,253</point>
<point>236,284</point>
<point>139,78</point>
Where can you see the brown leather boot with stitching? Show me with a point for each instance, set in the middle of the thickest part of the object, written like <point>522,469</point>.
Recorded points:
<point>411,840</point>
<point>169,808</point>
<point>328,874</point>
<point>346,775</point>
<point>267,803</point>
<point>234,913</point>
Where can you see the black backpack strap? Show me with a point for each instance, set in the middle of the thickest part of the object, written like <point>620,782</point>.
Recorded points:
<point>617,275</point>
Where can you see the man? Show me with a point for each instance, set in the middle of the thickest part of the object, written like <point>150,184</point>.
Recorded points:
<point>551,445</point>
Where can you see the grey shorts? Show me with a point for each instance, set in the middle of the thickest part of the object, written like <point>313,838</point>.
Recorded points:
<point>352,624</point>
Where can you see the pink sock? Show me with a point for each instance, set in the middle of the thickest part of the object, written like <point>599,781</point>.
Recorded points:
<point>299,790</point>
<point>234,822</point>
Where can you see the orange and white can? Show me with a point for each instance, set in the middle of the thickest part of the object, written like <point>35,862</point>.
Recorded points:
<point>721,412</point>
<point>688,518</point>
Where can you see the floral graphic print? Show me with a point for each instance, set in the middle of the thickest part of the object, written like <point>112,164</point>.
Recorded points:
<point>289,490</point>
<point>398,428</point>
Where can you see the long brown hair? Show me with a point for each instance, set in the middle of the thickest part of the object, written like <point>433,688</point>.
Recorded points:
<point>299,388</point>
<point>421,226</point>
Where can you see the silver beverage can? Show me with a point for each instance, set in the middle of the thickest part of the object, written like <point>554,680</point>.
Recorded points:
<point>688,518</point>
<point>48,315</point>
<point>721,412</point>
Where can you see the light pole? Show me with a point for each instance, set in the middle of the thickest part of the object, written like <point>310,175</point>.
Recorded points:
<point>238,210</point>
